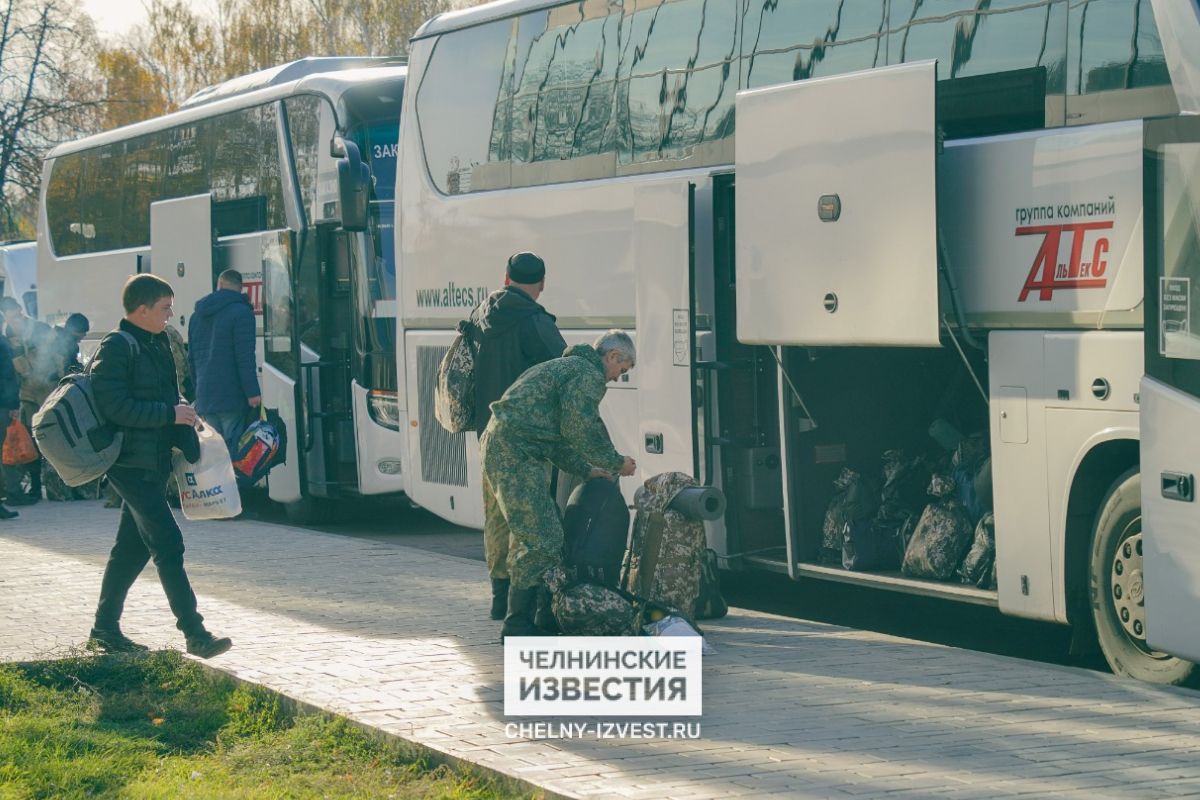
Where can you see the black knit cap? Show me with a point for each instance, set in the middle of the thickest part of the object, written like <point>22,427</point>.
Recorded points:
<point>526,268</point>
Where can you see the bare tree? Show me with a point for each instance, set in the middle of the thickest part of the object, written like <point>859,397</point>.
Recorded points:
<point>47,95</point>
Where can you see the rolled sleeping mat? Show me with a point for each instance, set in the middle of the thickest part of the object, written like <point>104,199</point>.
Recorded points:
<point>699,502</point>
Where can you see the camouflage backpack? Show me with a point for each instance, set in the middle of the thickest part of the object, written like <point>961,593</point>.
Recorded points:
<point>454,395</point>
<point>666,552</point>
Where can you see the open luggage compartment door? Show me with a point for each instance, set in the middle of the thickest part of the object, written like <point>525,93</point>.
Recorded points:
<point>181,243</point>
<point>837,210</point>
<point>662,239</point>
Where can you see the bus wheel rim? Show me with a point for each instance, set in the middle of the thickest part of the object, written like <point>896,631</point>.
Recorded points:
<point>1126,590</point>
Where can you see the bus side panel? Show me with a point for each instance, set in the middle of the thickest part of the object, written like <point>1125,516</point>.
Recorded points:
<point>1024,568</point>
<point>62,291</point>
<point>1078,418</point>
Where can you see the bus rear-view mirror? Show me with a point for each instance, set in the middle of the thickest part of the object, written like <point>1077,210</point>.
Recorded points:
<point>354,185</point>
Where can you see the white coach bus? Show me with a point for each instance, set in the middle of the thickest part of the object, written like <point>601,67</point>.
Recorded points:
<point>947,215</point>
<point>264,174</point>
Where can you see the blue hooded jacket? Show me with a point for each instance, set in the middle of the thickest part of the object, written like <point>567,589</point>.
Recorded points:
<point>221,352</point>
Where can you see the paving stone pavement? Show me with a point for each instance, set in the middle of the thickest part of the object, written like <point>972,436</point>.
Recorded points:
<point>395,638</point>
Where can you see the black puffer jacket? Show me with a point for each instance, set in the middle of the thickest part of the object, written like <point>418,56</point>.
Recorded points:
<point>139,394</point>
<point>517,333</point>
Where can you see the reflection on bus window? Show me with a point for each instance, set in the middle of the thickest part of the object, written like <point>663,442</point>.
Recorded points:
<point>277,305</point>
<point>1115,64</point>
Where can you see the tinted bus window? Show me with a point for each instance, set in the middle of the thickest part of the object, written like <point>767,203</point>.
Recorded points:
<point>462,98</point>
<point>270,184</point>
<point>62,205</point>
<point>144,167</point>
<point>188,153</point>
<point>785,42</point>
<point>564,78</point>
<point>679,73</point>
<point>304,123</point>
<point>1115,64</point>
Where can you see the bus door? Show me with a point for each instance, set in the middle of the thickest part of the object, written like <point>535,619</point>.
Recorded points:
<point>325,326</point>
<point>662,249</point>
<point>1164,545</point>
<point>737,391</point>
<point>181,244</point>
<point>281,362</point>
<point>835,246</point>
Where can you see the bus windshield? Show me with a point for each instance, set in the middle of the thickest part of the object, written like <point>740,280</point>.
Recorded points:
<point>377,141</point>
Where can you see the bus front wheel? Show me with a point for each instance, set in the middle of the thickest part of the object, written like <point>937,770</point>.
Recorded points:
<point>1116,590</point>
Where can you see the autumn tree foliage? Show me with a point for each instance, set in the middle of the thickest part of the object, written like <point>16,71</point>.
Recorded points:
<point>59,81</point>
<point>46,97</point>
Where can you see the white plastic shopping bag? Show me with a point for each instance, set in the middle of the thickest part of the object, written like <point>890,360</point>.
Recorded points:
<point>208,489</point>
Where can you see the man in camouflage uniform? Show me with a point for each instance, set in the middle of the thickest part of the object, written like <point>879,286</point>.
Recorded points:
<point>551,415</point>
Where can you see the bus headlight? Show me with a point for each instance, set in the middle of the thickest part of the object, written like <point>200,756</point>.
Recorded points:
<point>384,409</point>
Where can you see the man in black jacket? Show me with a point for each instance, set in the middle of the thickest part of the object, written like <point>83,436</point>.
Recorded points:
<point>136,389</point>
<point>515,333</point>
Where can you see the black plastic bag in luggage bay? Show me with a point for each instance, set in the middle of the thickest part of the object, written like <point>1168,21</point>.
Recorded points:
<point>666,552</point>
<point>971,468</point>
<point>854,504</point>
<point>878,544</point>
<point>979,567</point>
<point>942,536</point>
<point>596,528</point>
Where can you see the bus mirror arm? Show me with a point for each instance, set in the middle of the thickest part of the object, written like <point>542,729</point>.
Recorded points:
<point>354,184</point>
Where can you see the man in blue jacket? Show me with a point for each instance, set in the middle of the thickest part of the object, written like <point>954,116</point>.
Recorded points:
<point>221,357</point>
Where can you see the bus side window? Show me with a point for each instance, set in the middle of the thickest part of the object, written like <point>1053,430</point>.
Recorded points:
<point>62,205</point>
<point>1023,46</point>
<point>1115,64</point>
<point>461,103</point>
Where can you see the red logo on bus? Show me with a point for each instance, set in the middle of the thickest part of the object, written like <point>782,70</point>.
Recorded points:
<point>254,292</point>
<point>1048,274</point>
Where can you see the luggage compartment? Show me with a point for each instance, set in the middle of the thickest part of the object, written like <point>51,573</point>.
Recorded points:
<point>854,405</point>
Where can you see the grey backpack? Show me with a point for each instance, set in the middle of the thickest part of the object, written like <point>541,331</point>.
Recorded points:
<point>71,433</point>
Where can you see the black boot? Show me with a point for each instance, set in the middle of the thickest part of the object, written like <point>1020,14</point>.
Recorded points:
<point>544,618</point>
<point>499,598</point>
<point>111,640</point>
<point>6,514</point>
<point>522,604</point>
<point>205,645</point>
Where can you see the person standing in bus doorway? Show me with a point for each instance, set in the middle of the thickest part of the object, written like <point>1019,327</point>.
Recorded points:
<point>9,404</point>
<point>32,345</point>
<point>551,415</point>
<point>221,355</point>
<point>133,377</point>
<point>516,333</point>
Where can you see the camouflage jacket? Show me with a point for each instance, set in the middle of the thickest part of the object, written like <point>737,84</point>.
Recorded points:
<point>553,411</point>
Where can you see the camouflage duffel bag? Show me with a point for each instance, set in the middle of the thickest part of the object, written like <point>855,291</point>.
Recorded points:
<point>588,609</point>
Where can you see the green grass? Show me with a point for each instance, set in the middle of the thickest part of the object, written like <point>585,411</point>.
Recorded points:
<point>157,726</point>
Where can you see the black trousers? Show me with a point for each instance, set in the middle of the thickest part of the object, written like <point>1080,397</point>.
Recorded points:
<point>147,531</point>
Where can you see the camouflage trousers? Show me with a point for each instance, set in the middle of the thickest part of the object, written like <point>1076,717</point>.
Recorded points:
<point>522,532</point>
